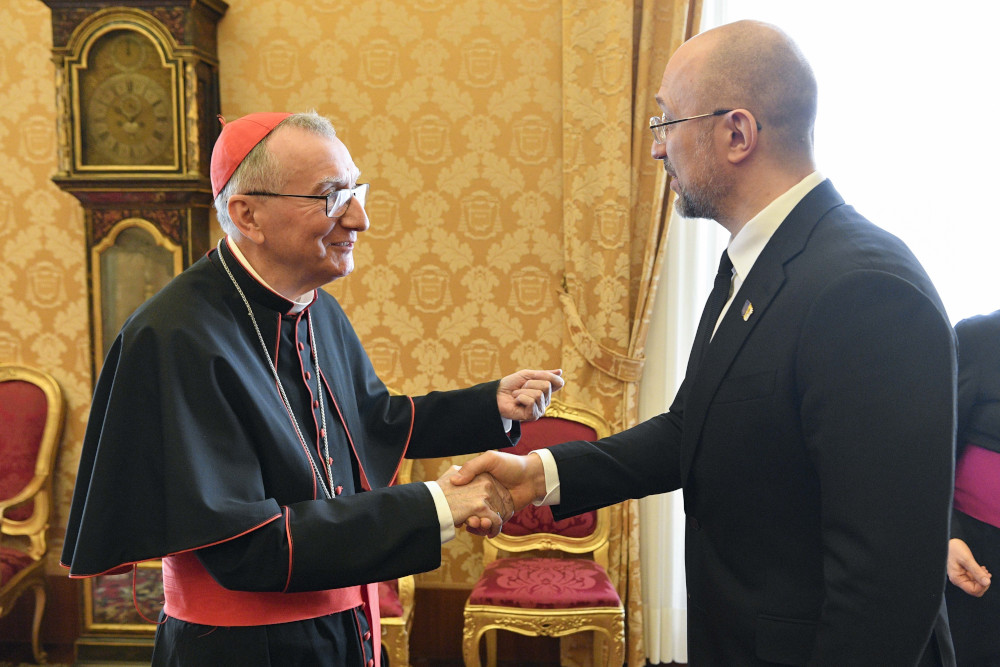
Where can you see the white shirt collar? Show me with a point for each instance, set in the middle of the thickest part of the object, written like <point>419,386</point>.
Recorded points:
<point>749,242</point>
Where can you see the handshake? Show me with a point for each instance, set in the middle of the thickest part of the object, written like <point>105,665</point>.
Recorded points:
<point>486,491</point>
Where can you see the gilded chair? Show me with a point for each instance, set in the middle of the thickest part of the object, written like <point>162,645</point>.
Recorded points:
<point>544,577</point>
<point>31,421</point>
<point>396,603</point>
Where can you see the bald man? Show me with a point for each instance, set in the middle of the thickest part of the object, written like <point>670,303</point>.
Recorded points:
<point>814,429</point>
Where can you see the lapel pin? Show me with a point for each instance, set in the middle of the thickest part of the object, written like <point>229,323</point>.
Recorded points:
<point>747,311</point>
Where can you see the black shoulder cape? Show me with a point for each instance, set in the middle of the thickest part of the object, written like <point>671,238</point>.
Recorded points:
<point>189,444</point>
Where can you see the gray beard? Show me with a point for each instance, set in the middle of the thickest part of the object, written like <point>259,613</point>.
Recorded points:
<point>696,205</point>
<point>701,200</point>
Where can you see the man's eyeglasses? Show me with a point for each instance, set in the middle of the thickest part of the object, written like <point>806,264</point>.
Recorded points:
<point>337,202</point>
<point>658,124</point>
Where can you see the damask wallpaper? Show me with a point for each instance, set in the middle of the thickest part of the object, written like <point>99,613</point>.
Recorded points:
<point>516,218</point>
<point>452,111</point>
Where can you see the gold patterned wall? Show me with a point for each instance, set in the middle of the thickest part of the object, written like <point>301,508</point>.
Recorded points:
<point>452,111</point>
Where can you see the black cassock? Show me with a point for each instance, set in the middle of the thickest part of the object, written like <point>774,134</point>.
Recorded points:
<point>189,446</point>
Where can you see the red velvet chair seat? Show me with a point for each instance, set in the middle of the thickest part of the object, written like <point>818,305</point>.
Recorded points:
<point>524,588</point>
<point>388,600</point>
<point>544,583</point>
<point>12,561</point>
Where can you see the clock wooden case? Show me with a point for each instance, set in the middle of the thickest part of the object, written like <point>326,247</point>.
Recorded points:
<point>137,94</point>
<point>137,100</point>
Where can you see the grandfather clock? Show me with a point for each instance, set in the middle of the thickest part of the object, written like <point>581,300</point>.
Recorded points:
<point>137,95</point>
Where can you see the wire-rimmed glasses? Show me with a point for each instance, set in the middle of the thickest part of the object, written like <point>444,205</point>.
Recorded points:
<point>658,124</point>
<point>337,201</point>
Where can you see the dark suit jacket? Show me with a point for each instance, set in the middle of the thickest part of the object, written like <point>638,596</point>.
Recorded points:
<point>979,381</point>
<point>814,446</point>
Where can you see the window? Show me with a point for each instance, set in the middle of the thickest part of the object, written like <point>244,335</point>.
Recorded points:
<point>906,126</point>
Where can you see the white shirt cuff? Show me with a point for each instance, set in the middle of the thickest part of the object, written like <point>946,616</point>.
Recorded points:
<point>552,493</point>
<point>445,517</point>
<point>507,424</point>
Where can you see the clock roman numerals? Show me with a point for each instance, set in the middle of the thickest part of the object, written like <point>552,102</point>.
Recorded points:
<point>129,120</point>
<point>129,106</point>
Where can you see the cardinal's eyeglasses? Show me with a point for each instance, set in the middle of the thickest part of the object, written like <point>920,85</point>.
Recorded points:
<point>337,201</point>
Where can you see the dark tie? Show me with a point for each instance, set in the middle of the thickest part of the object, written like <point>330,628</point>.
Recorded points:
<point>713,308</point>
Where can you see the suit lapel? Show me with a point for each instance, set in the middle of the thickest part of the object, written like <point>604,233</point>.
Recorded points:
<point>759,290</point>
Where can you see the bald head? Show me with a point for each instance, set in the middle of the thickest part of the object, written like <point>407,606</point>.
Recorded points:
<point>755,66</point>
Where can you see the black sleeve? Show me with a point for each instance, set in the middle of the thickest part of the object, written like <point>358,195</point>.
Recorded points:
<point>323,544</point>
<point>462,421</point>
<point>635,463</point>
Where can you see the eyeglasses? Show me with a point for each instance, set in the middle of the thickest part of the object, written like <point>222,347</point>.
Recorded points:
<point>658,124</point>
<point>337,202</point>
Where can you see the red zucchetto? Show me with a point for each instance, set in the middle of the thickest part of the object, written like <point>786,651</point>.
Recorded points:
<point>236,140</point>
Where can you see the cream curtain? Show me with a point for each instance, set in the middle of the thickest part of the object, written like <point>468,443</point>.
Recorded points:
<point>692,254</point>
<point>614,223</point>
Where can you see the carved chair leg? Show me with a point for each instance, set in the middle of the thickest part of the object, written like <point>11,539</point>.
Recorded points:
<point>470,643</point>
<point>604,650</point>
<point>403,651</point>
<point>36,625</point>
<point>491,648</point>
<point>616,646</point>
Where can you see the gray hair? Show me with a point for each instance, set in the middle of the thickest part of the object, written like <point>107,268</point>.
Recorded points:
<point>260,170</point>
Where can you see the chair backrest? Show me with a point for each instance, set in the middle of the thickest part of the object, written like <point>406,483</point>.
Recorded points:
<point>31,422</point>
<point>533,528</point>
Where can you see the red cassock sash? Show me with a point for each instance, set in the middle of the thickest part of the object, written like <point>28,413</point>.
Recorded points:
<point>976,490</point>
<point>192,595</point>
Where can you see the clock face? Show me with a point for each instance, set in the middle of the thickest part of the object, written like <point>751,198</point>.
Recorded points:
<point>127,111</point>
<point>129,120</point>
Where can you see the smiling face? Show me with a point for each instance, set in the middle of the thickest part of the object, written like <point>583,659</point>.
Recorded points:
<point>301,248</point>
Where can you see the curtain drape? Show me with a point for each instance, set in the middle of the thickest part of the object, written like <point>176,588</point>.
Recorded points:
<point>615,200</point>
<point>692,255</point>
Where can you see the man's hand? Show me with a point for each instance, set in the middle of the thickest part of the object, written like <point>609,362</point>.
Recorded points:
<point>524,395</point>
<point>480,500</point>
<point>964,571</point>
<point>523,476</point>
